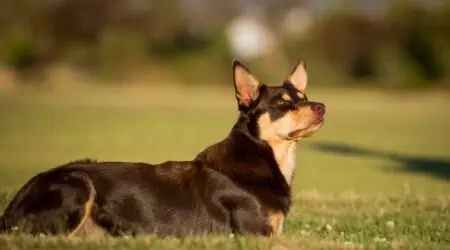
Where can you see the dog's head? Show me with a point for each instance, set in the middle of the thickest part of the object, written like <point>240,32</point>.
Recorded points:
<point>281,113</point>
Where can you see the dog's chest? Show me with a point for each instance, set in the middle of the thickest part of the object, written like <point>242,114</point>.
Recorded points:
<point>285,157</point>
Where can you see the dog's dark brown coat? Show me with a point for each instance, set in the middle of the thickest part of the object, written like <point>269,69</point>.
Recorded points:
<point>235,186</point>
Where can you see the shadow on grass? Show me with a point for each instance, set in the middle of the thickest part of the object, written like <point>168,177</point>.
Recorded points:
<point>438,167</point>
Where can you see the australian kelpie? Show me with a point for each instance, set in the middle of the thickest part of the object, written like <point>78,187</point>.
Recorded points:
<point>239,185</point>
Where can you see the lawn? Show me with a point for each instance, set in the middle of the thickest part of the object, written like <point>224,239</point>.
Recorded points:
<point>377,173</point>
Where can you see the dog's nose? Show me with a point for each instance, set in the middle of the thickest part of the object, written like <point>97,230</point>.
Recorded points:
<point>318,108</point>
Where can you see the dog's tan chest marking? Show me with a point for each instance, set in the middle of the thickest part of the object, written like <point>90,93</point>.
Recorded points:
<point>284,153</point>
<point>276,221</point>
<point>283,150</point>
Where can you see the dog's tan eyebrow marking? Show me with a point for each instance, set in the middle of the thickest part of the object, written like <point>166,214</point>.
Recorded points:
<point>286,97</point>
<point>301,95</point>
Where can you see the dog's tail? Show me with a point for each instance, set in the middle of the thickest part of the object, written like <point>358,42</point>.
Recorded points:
<point>88,205</point>
<point>17,209</point>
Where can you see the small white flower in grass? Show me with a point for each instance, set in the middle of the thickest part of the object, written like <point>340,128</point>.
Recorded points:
<point>231,236</point>
<point>390,223</point>
<point>378,239</point>
<point>329,227</point>
<point>15,228</point>
<point>41,235</point>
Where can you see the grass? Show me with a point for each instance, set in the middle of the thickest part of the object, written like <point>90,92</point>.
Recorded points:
<point>316,221</point>
<point>377,174</point>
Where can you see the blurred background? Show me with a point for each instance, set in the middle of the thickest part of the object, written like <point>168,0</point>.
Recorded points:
<point>148,80</point>
<point>382,43</point>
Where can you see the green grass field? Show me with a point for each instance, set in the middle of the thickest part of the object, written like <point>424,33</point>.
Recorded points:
<point>378,173</point>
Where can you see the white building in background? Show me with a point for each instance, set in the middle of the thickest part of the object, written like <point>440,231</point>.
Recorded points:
<point>249,38</point>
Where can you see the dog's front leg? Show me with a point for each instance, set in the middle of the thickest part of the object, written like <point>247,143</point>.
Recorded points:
<point>246,215</point>
<point>249,222</point>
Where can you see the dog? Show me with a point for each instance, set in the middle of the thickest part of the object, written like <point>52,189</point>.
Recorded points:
<point>240,185</point>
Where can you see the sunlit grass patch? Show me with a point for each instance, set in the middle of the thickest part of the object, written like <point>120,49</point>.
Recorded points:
<point>317,220</point>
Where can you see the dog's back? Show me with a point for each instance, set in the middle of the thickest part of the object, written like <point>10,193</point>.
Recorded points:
<point>126,198</point>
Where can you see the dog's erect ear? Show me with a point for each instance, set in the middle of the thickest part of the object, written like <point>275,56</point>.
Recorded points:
<point>246,85</point>
<point>299,77</point>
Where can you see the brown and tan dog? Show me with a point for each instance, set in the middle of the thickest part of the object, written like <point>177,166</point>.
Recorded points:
<point>239,185</point>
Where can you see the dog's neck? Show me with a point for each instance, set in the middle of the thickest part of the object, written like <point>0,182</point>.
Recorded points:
<point>245,140</point>
<point>283,150</point>
<point>284,153</point>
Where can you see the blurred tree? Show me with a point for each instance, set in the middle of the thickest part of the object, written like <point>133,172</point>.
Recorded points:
<point>416,31</point>
<point>351,41</point>
<point>19,35</point>
<point>410,44</point>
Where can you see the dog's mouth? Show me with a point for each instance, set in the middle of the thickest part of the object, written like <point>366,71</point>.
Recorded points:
<point>308,131</point>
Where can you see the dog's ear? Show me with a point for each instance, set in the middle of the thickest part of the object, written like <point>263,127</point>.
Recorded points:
<point>246,85</point>
<point>299,76</point>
